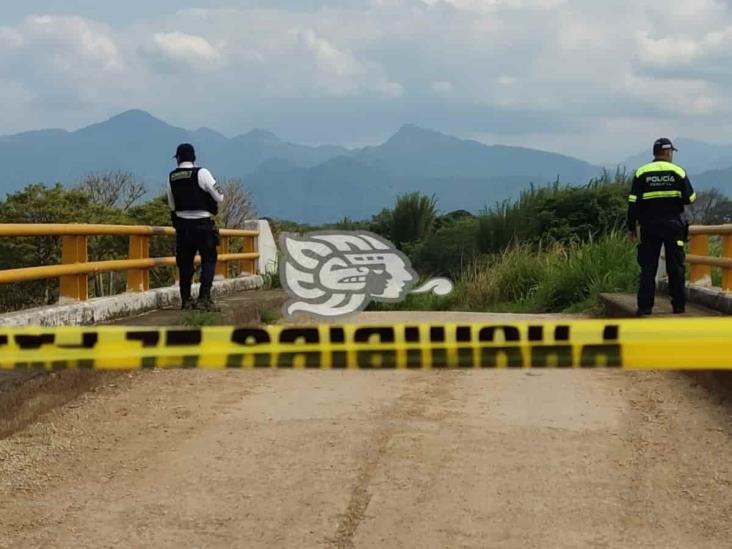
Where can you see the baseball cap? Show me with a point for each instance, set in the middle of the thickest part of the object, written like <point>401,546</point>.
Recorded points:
<point>663,144</point>
<point>185,150</point>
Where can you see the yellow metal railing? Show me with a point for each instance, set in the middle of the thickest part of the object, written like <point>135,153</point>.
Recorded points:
<point>75,266</point>
<point>700,260</point>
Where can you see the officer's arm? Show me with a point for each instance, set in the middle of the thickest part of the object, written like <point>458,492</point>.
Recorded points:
<point>171,203</point>
<point>207,182</point>
<point>687,192</point>
<point>633,199</point>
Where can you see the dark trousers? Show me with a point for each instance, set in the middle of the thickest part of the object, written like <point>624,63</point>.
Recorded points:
<point>196,236</point>
<point>670,234</point>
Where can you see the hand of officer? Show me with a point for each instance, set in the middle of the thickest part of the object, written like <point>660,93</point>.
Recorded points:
<point>632,236</point>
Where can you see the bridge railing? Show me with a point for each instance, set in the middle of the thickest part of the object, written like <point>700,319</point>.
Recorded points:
<point>701,262</point>
<point>74,270</point>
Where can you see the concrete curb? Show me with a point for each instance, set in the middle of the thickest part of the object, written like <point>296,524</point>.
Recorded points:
<point>104,309</point>
<point>711,298</point>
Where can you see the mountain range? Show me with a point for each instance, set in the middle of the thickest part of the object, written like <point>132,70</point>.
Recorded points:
<point>312,184</point>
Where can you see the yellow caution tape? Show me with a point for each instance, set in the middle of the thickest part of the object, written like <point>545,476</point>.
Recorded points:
<point>665,344</point>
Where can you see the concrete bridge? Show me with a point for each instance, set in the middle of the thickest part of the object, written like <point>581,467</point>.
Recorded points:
<point>500,459</point>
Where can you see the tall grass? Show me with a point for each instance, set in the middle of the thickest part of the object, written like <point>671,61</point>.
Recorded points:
<point>556,278</point>
<point>534,279</point>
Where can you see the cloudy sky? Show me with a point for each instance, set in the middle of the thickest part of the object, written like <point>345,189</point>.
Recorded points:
<point>599,80</point>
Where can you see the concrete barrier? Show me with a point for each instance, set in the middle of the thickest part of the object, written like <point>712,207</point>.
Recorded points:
<point>104,309</point>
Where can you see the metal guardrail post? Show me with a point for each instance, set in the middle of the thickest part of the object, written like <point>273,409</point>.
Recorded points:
<point>250,246</point>
<point>76,286</point>
<point>222,267</point>
<point>138,280</point>
<point>727,273</point>
<point>700,274</point>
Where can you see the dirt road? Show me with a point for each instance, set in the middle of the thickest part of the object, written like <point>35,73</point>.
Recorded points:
<point>549,459</point>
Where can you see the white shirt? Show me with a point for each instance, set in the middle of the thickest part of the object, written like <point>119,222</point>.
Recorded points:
<point>207,183</point>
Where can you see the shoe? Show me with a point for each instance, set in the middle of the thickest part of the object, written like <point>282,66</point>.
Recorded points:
<point>643,312</point>
<point>188,305</point>
<point>679,310</point>
<point>206,304</point>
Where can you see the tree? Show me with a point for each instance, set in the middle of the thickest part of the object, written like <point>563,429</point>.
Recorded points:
<point>413,218</point>
<point>237,206</point>
<point>113,189</point>
<point>448,251</point>
<point>711,207</point>
<point>37,204</point>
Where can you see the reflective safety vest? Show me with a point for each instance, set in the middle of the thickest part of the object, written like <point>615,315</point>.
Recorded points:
<point>660,191</point>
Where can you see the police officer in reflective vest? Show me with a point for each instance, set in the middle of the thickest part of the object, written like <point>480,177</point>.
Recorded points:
<point>657,198</point>
<point>194,199</point>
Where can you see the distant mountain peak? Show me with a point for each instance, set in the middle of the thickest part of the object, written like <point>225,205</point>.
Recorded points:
<point>258,134</point>
<point>412,135</point>
<point>135,116</point>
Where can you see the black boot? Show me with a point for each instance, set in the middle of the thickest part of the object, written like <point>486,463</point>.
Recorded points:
<point>205,303</point>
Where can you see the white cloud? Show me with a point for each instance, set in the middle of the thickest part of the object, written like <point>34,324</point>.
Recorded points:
<point>357,67</point>
<point>442,87</point>
<point>73,40</point>
<point>188,49</point>
<point>11,38</point>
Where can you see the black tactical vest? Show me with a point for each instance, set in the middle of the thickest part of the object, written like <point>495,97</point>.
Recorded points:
<point>187,194</point>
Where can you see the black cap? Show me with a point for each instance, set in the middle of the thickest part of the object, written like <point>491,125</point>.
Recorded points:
<point>663,144</point>
<point>185,152</point>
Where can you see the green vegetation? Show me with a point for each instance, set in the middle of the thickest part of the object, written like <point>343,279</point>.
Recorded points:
<point>198,319</point>
<point>553,249</point>
<point>113,198</point>
<point>558,278</point>
<point>269,315</point>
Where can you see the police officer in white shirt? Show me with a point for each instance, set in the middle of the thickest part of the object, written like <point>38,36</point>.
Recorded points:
<point>194,199</point>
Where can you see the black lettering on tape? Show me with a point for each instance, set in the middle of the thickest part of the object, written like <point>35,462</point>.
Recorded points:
<point>337,335</point>
<point>385,333</point>
<point>542,356</point>
<point>250,336</point>
<point>148,338</point>
<point>411,334</point>
<point>190,362</point>
<point>414,359</point>
<point>611,333</point>
<point>339,359</point>
<point>595,356</point>
<point>510,333</point>
<point>561,333</point>
<point>439,358</point>
<point>512,356</point>
<point>261,360</point>
<point>88,341</point>
<point>31,342</point>
<point>536,333</point>
<point>148,363</point>
<point>462,334</point>
<point>465,358</point>
<point>437,334</point>
<point>370,360</point>
<point>183,338</point>
<point>3,340</point>
<point>308,336</point>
